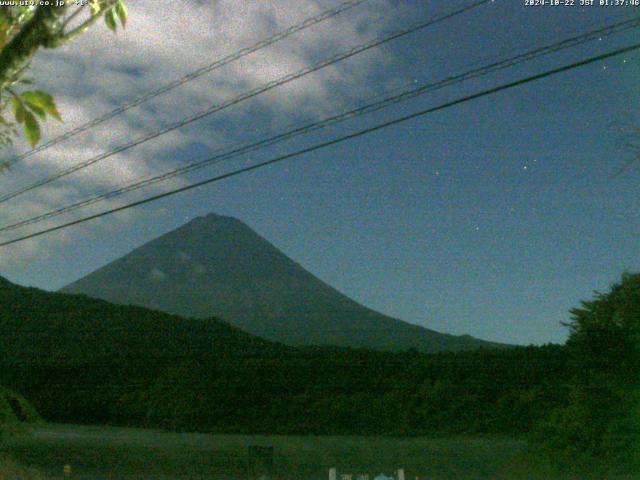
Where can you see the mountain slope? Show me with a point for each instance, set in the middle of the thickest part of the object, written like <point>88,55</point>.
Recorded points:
<point>218,266</point>
<point>83,360</point>
<point>55,328</point>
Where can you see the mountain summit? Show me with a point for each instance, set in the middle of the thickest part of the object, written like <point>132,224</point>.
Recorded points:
<point>218,266</point>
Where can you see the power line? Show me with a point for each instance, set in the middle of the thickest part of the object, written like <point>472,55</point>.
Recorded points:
<point>325,15</point>
<point>236,151</point>
<point>335,141</point>
<point>247,95</point>
<point>371,107</point>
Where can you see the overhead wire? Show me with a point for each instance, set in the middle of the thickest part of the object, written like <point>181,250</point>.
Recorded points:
<point>247,95</point>
<point>334,141</point>
<point>325,15</point>
<point>404,95</point>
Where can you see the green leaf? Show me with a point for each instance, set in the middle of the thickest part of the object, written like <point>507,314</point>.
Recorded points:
<point>18,109</point>
<point>43,101</point>
<point>52,110</point>
<point>31,128</point>
<point>110,19</point>
<point>121,10</point>
<point>38,110</point>
<point>95,7</point>
<point>35,97</point>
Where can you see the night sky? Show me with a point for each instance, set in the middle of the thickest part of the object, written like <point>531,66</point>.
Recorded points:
<point>491,218</point>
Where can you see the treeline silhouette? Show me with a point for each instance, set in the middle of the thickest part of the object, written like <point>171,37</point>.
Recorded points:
<point>314,391</point>
<point>80,360</point>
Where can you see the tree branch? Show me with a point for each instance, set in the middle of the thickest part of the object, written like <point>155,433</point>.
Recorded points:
<point>40,31</point>
<point>79,30</point>
<point>63,38</point>
<point>72,16</point>
<point>19,20</point>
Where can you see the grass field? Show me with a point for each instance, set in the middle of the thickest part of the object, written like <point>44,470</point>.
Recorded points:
<point>118,453</point>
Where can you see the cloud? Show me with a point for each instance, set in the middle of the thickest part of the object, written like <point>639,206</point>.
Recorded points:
<point>163,41</point>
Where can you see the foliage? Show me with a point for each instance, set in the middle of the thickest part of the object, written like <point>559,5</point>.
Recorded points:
<point>598,427</point>
<point>605,332</point>
<point>83,360</point>
<point>15,412</point>
<point>23,30</point>
<point>9,469</point>
<point>31,104</point>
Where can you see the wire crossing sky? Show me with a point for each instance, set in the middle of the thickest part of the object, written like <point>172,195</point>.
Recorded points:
<point>309,22</point>
<point>248,95</point>
<point>406,94</point>
<point>493,218</point>
<point>332,142</point>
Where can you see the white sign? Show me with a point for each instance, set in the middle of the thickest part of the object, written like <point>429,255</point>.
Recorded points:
<point>333,475</point>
